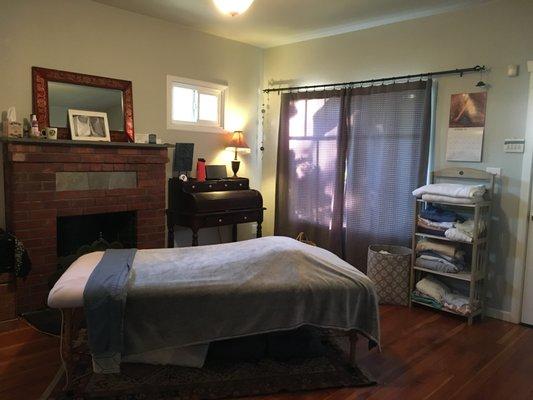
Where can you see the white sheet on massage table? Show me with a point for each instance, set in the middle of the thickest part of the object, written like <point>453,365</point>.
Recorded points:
<point>68,293</point>
<point>68,290</point>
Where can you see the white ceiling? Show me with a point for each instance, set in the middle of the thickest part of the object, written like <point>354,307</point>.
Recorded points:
<point>269,23</point>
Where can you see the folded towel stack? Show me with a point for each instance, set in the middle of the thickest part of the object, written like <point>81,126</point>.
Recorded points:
<point>431,291</point>
<point>440,257</point>
<point>442,222</point>
<point>451,193</point>
<point>437,214</point>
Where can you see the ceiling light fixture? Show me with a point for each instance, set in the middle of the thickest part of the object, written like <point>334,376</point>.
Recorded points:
<point>233,7</point>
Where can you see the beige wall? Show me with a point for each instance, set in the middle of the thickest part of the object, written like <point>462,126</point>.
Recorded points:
<point>495,34</point>
<point>88,37</point>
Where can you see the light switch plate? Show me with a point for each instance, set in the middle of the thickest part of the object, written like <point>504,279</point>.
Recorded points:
<point>513,145</point>
<point>494,171</point>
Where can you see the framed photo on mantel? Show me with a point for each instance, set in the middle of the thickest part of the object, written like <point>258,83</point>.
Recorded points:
<point>88,125</point>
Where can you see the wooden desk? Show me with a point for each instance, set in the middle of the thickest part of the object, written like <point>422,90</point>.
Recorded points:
<point>212,203</point>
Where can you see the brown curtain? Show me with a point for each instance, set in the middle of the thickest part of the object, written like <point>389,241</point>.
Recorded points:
<point>386,160</point>
<point>310,169</point>
<point>347,163</point>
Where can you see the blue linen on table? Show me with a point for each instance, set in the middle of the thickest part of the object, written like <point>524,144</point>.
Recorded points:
<point>104,299</point>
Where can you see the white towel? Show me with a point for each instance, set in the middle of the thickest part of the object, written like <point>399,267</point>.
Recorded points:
<point>451,190</point>
<point>464,231</point>
<point>456,234</point>
<point>436,198</point>
<point>433,288</point>
<point>468,227</point>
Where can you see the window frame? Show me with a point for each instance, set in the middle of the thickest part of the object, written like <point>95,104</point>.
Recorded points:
<point>202,87</point>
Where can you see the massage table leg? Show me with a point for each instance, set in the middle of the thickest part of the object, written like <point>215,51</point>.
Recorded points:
<point>67,342</point>
<point>352,336</point>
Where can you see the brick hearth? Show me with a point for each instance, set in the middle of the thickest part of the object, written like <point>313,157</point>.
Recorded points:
<point>33,203</point>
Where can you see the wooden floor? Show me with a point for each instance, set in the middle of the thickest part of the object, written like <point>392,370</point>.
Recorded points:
<point>425,355</point>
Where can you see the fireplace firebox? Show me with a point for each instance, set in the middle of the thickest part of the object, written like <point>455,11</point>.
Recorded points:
<point>117,229</point>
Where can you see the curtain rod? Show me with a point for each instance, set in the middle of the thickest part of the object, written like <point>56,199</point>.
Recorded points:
<point>459,71</point>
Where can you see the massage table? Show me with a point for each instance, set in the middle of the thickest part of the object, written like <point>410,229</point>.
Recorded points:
<point>217,292</point>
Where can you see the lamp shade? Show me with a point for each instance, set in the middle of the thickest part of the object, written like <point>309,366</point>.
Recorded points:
<point>237,142</point>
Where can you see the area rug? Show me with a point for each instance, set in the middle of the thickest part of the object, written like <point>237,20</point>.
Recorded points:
<point>219,379</point>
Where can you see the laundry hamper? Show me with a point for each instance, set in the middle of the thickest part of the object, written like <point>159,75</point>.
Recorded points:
<point>388,267</point>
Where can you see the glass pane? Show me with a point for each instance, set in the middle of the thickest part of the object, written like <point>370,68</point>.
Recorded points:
<point>322,117</point>
<point>297,118</point>
<point>208,107</point>
<point>63,96</point>
<point>183,104</point>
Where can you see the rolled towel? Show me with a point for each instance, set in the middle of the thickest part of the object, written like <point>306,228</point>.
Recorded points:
<point>456,234</point>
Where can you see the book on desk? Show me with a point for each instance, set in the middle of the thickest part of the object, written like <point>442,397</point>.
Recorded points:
<point>212,203</point>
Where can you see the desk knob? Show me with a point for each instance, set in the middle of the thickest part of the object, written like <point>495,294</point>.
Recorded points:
<point>220,220</point>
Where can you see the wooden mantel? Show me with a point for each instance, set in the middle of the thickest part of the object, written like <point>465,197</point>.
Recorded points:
<point>40,142</point>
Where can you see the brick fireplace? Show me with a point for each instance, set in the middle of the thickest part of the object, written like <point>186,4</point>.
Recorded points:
<point>45,181</point>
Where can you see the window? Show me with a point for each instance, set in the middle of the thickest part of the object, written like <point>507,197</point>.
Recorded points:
<point>195,105</point>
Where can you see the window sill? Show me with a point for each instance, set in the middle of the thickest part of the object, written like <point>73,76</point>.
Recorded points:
<point>195,128</point>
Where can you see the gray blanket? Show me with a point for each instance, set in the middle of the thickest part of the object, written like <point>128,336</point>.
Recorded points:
<point>188,296</point>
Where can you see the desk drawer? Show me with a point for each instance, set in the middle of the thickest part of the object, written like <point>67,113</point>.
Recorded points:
<point>233,218</point>
<point>193,186</point>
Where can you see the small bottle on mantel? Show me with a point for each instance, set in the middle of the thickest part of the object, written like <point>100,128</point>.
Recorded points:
<point>200,170</point>
<point>34,131</point>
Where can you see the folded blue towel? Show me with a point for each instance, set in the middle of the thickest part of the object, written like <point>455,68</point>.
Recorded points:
<point>438,214</point>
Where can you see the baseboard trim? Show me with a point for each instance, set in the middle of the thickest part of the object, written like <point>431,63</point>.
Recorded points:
<point>500,314</point>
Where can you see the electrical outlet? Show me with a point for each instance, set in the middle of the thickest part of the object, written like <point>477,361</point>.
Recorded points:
<point>494,171</point>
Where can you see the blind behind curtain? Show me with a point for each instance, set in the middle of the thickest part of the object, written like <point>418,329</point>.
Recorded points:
<point>347,163</point>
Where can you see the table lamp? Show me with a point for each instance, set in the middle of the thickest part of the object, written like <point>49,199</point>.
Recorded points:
<point>236,144</point>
